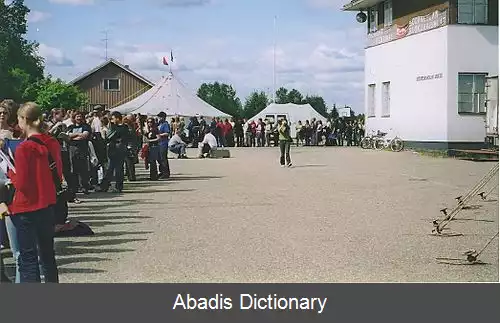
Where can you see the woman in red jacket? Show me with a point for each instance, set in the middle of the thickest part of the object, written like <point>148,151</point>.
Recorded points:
<point>32,208</point>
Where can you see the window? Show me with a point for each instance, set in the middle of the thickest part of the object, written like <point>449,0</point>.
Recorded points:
<point>372,19</point>
<point>111,84</point>
<point>371,101</point>
<point>471,93</point>
<point>387,13</point>
<point>473,12</point>
<point>386,99</point>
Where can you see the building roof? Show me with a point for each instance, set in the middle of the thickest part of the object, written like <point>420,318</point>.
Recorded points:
<point>360,5</point>
<point>115,62</point>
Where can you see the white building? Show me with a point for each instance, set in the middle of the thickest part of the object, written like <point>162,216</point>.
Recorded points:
<point>426,63</point>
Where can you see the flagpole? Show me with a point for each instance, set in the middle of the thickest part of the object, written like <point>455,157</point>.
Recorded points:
<point>274,62</point>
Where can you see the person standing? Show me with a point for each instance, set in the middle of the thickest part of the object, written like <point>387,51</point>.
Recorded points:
<point>118,138</point>
<point>38,163</point>
<point>164,130</point>
<point>79,135</point>
<point>285,142</point>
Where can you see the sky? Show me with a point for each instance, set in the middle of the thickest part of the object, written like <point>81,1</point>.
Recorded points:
<point>319,48</point>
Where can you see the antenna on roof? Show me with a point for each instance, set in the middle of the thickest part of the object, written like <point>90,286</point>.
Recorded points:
<point>105,40</point>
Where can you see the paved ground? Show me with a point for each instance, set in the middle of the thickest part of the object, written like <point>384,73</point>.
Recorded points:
<point>340,215</point>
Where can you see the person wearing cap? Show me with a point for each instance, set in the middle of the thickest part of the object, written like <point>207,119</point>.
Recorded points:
<point>164,133</point>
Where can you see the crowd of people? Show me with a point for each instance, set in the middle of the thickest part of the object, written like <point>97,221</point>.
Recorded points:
<point>265,133</point>
<point>47,159</point>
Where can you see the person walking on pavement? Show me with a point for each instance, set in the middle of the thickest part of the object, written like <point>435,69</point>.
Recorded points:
<point>285,142</point>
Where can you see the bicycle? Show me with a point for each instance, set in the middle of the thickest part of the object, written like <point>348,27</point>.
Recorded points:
<point>396,144</point>
<point>368,142</point>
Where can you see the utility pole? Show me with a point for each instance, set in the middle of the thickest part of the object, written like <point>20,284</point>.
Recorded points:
<point>274,62</point>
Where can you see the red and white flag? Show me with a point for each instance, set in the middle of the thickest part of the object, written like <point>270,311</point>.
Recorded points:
<point>165,60</point>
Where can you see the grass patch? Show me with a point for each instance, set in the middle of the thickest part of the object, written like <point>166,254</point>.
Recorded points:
<point>431,152</point>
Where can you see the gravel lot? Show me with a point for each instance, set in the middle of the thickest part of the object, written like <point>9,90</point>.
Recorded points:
<point>339,215</point>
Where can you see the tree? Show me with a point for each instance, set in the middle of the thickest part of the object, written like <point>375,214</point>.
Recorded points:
<point>294,96</point>
<point>334,113</point>
<point>282,96</point>
<point>222,96</point>
<point>318,104</point>
<point>20,63</point>
<point>255,103</point>
<point>49,94</point>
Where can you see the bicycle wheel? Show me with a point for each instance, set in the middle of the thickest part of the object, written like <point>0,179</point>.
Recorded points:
<point>397,145</point>
<point>379,144</point>
<point>366,143</point>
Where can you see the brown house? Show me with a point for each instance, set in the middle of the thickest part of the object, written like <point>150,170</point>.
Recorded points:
<point>112,84</point>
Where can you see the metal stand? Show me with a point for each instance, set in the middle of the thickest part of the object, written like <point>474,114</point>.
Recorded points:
<point>471,256</point>
<point>439,225</point>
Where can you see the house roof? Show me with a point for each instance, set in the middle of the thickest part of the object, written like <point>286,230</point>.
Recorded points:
<point>115,62</point>
<point>357,5</point>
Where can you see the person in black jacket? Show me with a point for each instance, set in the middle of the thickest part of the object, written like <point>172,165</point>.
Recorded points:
<point>118,138</point>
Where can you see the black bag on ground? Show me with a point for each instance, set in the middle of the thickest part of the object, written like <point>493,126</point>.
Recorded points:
<point>74,228</point>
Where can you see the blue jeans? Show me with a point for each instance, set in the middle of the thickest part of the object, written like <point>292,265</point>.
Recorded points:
<point>179,149</point>
<point>35,237</point>
<point>14,246</point>
<point>115,166</point>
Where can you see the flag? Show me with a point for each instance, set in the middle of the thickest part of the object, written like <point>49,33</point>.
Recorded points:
<point>165,60</point>
<point>171,56</point>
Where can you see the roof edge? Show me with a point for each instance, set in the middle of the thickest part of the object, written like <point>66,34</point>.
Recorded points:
<point>111,61</point>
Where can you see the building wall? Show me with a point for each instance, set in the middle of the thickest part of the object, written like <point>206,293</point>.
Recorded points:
<point>417,108</point>
<point>130,86</point>
<point>478,54</point>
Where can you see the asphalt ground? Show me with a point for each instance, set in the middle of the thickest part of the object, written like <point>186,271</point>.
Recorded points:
<point>338,215</point>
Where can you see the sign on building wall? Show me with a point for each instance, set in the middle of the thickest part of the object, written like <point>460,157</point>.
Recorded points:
<point>415,26</point>
<point>429,77</point>
<point>344,112</point>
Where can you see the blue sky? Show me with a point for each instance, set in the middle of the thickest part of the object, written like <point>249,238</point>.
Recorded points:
<point>319,47</point>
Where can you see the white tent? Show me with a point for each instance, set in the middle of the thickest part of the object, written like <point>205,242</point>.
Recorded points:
<point>172,97</point>
<point>292,112</point>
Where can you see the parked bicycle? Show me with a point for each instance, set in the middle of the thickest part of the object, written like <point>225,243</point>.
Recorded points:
<point>368,142</point>
<point>395,143</point>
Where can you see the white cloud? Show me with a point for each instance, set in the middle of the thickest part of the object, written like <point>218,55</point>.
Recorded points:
<point>324,62</point>
<point>73,2</point>
<point>54,56</point>
<point>336,4</point>
<point>38,16</point>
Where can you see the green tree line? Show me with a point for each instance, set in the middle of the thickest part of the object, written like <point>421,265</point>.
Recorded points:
<point>223,97</point>
<point>22,69</point>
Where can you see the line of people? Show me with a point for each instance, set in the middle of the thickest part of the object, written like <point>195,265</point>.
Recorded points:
<point>264,133</point>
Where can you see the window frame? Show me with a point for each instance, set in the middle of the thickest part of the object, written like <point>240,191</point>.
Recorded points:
<point>106,80</point>
<point>386,99</point>
<point>373,25</point>
<point>473,5</point>
<point>388,13</point>
<point>480,109</point>
<point>372,101</point>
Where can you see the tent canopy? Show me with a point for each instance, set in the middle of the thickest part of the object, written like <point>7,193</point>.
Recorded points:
<point>292,112</point>
<point>169,95</point>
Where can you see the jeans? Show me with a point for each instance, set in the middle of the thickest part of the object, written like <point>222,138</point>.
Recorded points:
<point>285,152</point>
<point>14,245</point>
<point>179,149</point>
<point>164,165</point>
<point>116,163</point>
<point>35,235</point>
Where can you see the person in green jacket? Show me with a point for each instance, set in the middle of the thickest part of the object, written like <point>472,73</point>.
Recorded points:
<point>285,141</point>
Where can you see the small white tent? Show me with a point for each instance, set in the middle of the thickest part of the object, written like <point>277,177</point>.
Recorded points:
<point>172,97</point>
<point>292,112</point>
